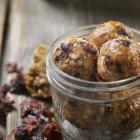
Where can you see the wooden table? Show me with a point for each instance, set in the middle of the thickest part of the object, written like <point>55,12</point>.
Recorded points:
<point>26,23</point>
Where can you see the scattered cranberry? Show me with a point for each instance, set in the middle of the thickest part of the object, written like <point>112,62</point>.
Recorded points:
<point>52,132</point>
<point>32,108</point>
<point>31,123</point>
<point>6,104</point>
<point>11,67</point>
<point>4,89</point>
<point>21,133</point>
<point>18,85</point>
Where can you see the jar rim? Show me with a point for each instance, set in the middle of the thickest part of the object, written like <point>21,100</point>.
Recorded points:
<point>67,34</point>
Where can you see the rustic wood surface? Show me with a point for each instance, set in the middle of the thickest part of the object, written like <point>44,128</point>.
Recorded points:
<point>32,22</point>
<point>3,16</point>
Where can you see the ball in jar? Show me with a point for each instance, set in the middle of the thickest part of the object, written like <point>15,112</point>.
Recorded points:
<point>118,59</point>
<point>107,31</point>
<point>124,118</point>
<point>77,58</point>
<point>85,116</point>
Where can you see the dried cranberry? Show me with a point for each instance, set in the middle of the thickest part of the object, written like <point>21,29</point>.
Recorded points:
<point>4,89</point>
<point>57,59</point>
<point>123,32</point>
<point>63,56</point>
<point>21,133</point>
<point>108,60</point>
<point>90,49</point>
<point>126,43</point>
<point>31,123</point>
<point>34,108</point>
<point>52,132</point>
<point>18,85</point>
<point>47,112</point>
<point>6,106</point>
<point>11,67</point>
<point>66,48</point>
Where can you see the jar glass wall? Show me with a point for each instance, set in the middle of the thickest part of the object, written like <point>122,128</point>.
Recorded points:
<point>89,110</point>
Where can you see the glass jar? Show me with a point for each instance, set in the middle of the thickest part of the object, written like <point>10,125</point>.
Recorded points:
<point>88,110</point>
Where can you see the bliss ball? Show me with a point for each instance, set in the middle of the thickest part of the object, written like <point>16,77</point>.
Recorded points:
<point>77,58</point>
<point>109,30</point>
<point>118,59</point>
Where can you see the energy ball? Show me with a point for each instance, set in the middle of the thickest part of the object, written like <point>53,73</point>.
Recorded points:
<point>125,118</point>
<point>77,58</point>
<point>35,79</point>
<point>118,59</point>
<point>40,53</point>
<point>109,30</point>
<point>79,114</point>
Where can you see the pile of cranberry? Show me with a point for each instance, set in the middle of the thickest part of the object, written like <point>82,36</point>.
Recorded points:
<point>38,122</point>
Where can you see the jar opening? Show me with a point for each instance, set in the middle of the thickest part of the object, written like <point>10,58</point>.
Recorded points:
<point>71,82</point>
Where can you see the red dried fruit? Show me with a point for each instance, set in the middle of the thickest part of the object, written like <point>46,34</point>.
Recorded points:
<point>33,108</point>
<point>4,89</point>
<point>31,123</point>
<point>124,42</point>
<point>89,48</point>
<point>34,127</point>
<point>66,48</point>
<point>21,133</point>
<point>11,67</point>
<point>18,85</point>
<point>121,31</point>
<point>6,104</point>
<point>108,60</point>
<point>62,56</point>
<point>52,132</point>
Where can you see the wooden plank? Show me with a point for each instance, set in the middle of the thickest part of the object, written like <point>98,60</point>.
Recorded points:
<point>38,21</point>
<point>3,5</point>
<point>3,16</point>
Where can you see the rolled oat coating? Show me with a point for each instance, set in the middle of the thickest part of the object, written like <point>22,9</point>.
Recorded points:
<point>79,114</point>
<point>77,58</point>
<point>108,31</point>
<point>118,59</point>
<point>124,117</point>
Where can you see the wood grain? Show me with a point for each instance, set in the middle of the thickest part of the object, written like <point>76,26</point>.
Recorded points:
<point>3,6</point>
<point>3,11</point>
<point>40,21</point>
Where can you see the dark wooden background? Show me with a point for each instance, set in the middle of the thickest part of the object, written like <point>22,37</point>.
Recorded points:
<point>26,23</point>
